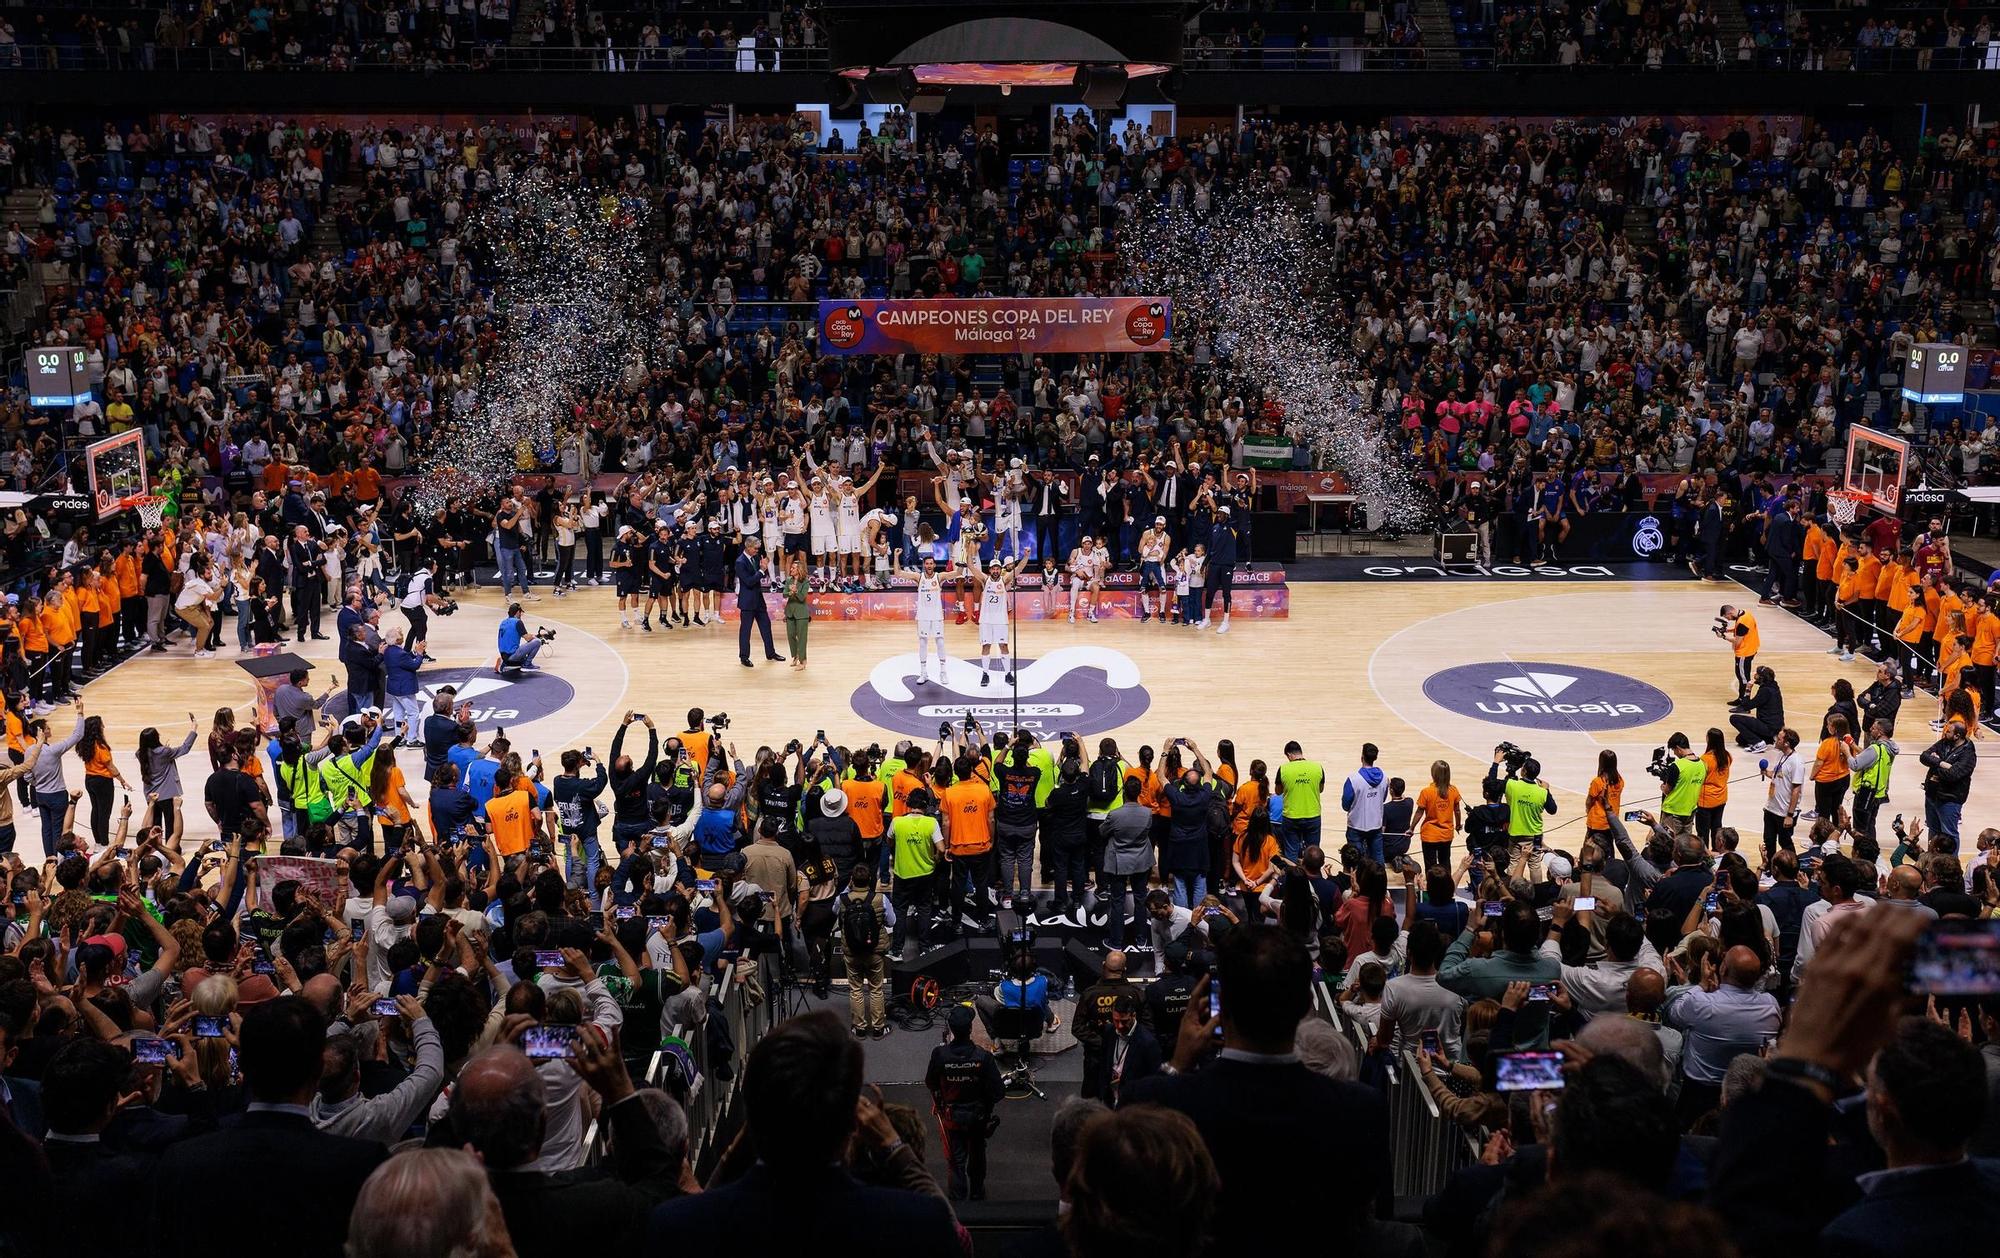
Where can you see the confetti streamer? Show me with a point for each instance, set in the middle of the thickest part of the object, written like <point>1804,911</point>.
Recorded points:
<point>1251,275</point>
<point>570,299</point>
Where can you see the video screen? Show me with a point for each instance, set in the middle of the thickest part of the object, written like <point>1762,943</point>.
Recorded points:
<point>1528,1072</point>
<point>548,1042</point>
<point>1957,958</point>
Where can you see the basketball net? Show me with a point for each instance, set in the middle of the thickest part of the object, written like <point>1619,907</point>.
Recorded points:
<point>152,510</point>
<point>1843,505</point>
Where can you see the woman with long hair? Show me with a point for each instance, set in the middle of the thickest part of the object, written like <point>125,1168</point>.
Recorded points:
<point>1253,868</point>
<point>221,734</point>
<point>1830,767</point>
<point>1355,918</point>
<point>798,609</point>
<point>99,772</point>
<point>1442,809</point>
<point>1714,788</point>
<point>160,773</point>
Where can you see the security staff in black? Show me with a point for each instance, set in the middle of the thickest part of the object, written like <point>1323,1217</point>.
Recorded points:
<point>1167,996</point>
<point>1093,1014</point>
<point>964,1080</point>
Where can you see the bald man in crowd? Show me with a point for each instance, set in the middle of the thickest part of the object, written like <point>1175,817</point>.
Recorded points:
<point>1722,1015</point>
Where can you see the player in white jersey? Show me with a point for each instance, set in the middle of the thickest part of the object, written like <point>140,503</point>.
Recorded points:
<point>820,507</point>
<point>849,541</point>
<point>1153,546</point>
<point>792,523</point>
<point>993,585</point>
<point>930,615</point>
<point>1008,492</point>
<point>1086,578</point>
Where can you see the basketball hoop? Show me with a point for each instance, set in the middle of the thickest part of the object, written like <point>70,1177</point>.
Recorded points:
<point>1843,505</point>
<point>152,509</point>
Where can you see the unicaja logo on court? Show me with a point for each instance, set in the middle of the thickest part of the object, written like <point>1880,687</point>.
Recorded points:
<point>1532,695</point>
<point>1079,689</point>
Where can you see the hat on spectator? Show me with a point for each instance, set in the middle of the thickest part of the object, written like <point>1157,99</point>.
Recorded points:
<point>1559,867</point>
<point>833,803</point>
<point>402,909</point>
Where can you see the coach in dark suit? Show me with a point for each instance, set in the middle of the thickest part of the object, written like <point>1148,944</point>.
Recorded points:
<point>1129,1053</point>
<point>800,1089</point>
<point>1277,1131</point>
<point>750,604</point>
<point>304,1180</point>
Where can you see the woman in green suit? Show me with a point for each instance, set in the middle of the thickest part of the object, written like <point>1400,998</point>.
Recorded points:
<point>798,610</point>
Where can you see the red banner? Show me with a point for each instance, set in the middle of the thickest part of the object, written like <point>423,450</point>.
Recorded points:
<point>997,325</point>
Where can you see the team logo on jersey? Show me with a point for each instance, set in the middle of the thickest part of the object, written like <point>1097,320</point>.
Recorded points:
<point>1533,695</point>
<point>1079,689</point>
<point>516,699</point>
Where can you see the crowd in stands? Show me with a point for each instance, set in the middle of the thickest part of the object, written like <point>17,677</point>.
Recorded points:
<point>1635,1016</point>
<point>1597,298</point>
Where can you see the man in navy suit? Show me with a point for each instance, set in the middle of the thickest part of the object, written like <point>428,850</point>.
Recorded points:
<point>1276,1130</point>
<point>1130,1052</point>
<point>278,1051</point>
<point>802,1102</point>
<point>750,604</point>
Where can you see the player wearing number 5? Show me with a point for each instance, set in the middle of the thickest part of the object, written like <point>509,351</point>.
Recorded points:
<point>750,604</point>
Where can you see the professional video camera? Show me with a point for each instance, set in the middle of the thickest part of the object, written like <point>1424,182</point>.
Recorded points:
<point>445,607</point>
<point>1662,766</point>
<point>719,722</point>
<point>546,634</point>
<point>1514,756</point>
<point>1720,627</point>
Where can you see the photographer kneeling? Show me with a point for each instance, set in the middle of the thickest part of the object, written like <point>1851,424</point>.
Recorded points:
<point>1680,774</point>
<point>517,647</point>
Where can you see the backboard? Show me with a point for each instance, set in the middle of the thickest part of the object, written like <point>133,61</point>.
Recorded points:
<point>1876,464</point>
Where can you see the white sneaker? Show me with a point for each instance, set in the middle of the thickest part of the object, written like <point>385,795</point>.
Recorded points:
<point>1847,657</point>
<point>1203,624</point>
<point>204,655</point>
<point>1224,626</point>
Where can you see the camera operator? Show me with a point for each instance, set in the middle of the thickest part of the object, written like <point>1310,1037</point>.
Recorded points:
<point>1528,802</point>
<point>419,598</point>
<point>1738,627</point>
<point>1680,774</point>
<point>517,647</point>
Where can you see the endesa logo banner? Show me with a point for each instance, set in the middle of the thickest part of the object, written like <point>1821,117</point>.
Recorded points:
<point>997,325</point>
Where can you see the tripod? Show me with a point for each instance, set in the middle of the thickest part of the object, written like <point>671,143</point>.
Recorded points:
<point>789,991</point>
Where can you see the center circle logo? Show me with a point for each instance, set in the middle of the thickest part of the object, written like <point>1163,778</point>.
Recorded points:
<point>515,699</point>
<point>1079,689</point>
<point>1533,695</point>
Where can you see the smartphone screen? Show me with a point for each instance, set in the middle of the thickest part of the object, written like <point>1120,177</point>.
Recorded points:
<point>1631,816</point>
<point>1541,991</point>
<point>1711,901</point>
<point>625,911</point>
<point>549,1041</point>
<point>1585,904</point>
<point>209,1026</point>
<point>384,1008</point>
<point>658,923</point>
<point>705,884</point>
<point>1431,1043</point>
<point>154,1051</point>
<point>548,958</point>
<point>1493,908</point>
<point>1528,1072</point>
<point>354,932</point>
<point>1957,958</point>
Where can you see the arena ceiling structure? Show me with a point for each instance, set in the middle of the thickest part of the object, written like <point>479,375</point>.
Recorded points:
<point>920,55</point>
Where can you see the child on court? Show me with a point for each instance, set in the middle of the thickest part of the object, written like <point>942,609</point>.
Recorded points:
<point>1179,568</point>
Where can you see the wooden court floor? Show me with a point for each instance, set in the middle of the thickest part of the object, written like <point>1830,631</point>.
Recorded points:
<point>1408,667</point>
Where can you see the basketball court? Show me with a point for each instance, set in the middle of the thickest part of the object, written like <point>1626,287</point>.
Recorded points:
<point>1426,669</point>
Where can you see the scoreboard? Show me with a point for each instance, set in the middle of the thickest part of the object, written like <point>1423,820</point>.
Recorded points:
<point>58,375</point>
<point>1935,373</point>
